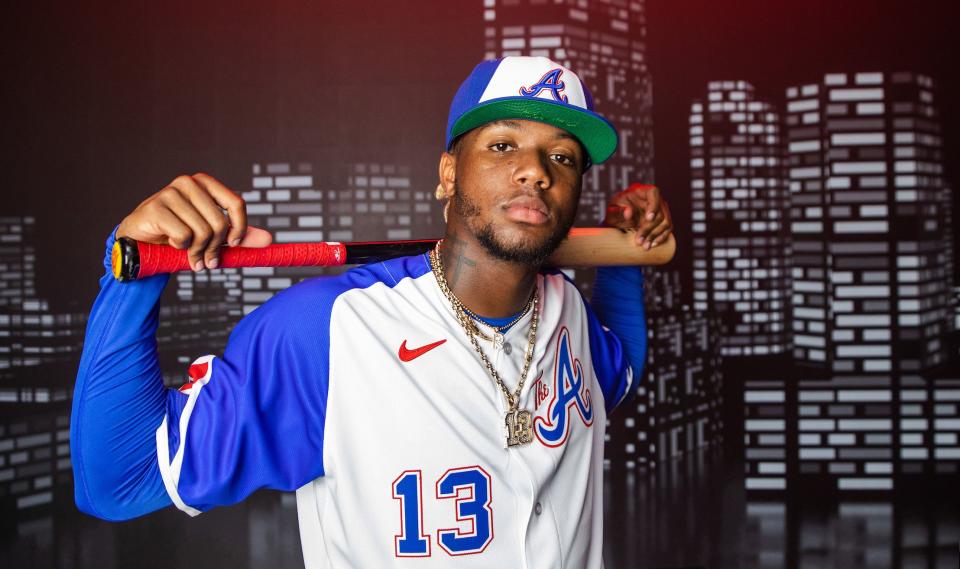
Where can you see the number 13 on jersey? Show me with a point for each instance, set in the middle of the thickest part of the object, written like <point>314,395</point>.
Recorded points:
<point>470,487</point>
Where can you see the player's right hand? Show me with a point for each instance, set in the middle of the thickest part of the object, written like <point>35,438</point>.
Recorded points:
<point>189,214</point>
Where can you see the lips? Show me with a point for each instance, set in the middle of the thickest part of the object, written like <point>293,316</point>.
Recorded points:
<point>527,209</point>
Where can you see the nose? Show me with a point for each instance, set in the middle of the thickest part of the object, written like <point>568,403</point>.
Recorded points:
<point>532,170</point>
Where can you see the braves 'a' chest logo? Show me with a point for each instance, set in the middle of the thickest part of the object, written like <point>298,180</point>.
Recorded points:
<point>570,394</point>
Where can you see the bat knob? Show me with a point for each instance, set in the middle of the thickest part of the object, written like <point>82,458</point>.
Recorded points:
<point>125,259</point>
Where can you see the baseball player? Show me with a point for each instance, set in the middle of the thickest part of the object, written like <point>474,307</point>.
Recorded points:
<point>438,410</point>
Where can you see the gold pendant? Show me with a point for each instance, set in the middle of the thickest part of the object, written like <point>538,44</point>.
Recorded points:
<point>497,340</point>
<point>519,427</point>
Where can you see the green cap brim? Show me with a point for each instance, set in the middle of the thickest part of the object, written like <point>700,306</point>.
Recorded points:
<point>596,134</point>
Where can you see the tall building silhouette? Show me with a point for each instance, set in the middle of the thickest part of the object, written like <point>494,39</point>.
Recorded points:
<point>739,201</point>
<point>872,314</point>
<point>871,300</point>
<point>870,227</point>
<point>605,44</point>
<point>770,429</point>
<point>39,350</point>
<point>379,202</point>
<point>17,261</point>
<point>31,334</point>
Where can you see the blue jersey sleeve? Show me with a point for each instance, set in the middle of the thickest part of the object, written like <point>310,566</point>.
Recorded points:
<point>250,419</point>
<point>253,418</point>
<point>618,331</point>
<point>118,402</point>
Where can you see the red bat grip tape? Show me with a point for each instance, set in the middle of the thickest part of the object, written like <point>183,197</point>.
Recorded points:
<point>155,259</point>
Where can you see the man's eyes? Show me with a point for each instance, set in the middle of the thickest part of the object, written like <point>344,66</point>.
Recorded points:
<point>560,158</point>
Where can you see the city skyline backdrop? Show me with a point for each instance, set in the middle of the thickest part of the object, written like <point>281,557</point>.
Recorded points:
<point>809,183</point>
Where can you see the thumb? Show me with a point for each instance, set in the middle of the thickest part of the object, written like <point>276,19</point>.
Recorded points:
<point>256,237</point>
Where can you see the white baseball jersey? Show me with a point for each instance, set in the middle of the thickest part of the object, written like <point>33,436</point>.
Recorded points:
<point>364,393</point>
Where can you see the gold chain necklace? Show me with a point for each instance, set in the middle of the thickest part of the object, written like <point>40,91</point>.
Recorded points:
<point>498,331</point>
<point>519,422</point>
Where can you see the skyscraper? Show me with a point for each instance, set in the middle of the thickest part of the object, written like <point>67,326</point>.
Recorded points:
<point>39,349</point>
<point>739,200</point>
<point>17,260</point>
<point>31,333</point>
<point>871,278</point>
<point>379,202</point>
<point>870,223</point>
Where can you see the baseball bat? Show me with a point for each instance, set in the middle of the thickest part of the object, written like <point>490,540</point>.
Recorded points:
<point>583,247</point>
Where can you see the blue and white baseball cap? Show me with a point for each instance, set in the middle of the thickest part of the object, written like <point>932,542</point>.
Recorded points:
<point>532,88</point>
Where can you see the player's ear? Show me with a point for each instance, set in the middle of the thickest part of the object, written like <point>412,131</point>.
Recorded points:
<point>448,175</point>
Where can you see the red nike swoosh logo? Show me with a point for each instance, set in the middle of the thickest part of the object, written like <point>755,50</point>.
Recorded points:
<point>408,355</point>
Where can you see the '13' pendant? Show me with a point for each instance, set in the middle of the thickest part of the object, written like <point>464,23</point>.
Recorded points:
<point>519,427</point>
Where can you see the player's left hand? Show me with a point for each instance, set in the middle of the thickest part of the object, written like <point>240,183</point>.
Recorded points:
<point>641,207</point>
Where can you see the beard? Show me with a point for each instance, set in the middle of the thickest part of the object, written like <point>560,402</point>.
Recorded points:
<point>524,252</point>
